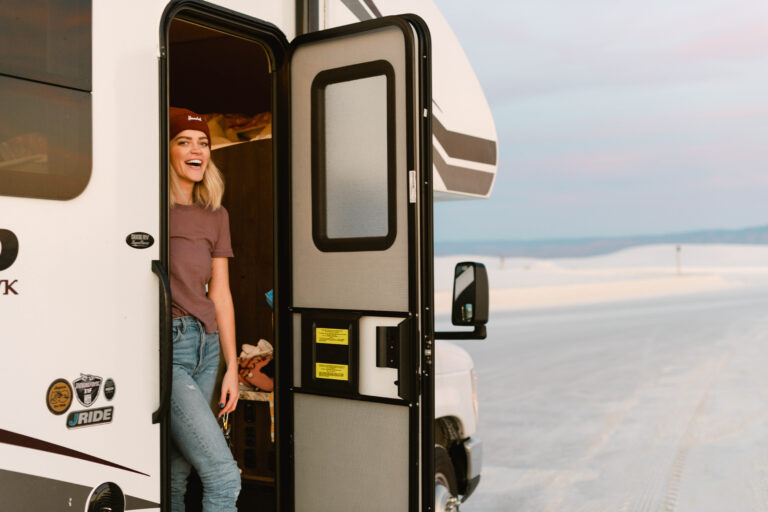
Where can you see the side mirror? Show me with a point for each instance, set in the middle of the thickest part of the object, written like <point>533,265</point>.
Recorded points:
<point>470,301</point>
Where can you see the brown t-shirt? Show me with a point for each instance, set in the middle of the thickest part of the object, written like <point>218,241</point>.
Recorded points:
<point>197,235</point>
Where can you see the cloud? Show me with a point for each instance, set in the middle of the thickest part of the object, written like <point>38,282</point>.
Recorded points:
<point>616,117</point>
<point>744,42</point>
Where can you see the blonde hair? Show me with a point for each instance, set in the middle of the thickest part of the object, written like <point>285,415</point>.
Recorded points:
<point>207,193</point>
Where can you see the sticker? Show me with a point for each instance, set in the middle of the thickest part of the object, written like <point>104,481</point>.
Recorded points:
<point>87,388</point>
<point>77,419</point>
<point>139,240</point>
<point>331,371</point>
<point>59,396</point>
<point>332,336</point>
<point>109,389</point>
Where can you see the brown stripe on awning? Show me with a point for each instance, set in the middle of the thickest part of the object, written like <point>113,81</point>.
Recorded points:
<point>462,179</point>
<point>463,146</point>
<point>375,10</point>
<point>12,438</point>
<point>457,145</point>
<point>357,9</point>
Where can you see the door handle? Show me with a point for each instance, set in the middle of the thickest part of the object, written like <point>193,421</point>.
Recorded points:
<point>166,343</point>
<point>394,350</point>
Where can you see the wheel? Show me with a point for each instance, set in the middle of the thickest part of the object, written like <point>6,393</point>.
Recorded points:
<point>446,490</point>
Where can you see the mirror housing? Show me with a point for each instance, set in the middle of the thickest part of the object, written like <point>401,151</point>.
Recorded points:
<point>470,301</point>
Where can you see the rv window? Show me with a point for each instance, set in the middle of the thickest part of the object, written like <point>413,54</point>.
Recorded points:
<point>47,41</point>
<point>45,140</point>
<point>353,158</point>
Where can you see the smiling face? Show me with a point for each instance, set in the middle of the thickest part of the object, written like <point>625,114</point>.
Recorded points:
<point>190,154</point>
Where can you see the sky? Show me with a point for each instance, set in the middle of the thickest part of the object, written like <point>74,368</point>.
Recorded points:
<point>617,118</point>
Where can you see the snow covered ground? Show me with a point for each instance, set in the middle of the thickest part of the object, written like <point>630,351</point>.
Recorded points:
<point>614,384</point>
<point>631,274</point>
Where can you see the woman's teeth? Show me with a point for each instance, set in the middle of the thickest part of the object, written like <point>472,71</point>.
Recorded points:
<point>196,163</point>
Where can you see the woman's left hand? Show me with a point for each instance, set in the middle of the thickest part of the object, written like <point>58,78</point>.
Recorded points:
<point>230,391</point>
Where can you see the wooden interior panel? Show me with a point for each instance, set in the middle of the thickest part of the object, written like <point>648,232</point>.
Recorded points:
<point>247,169</point>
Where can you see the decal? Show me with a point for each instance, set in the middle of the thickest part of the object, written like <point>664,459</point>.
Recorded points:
<point>9,249</point>
<point>109,389</point>
<point>87,418</point>
<point>139,240</point>
<point>87,388</point>
<point>33,443</point>
<point>331,371</point>
<point>59,396</point>
<point>332,336</point>
<point>7,287</point>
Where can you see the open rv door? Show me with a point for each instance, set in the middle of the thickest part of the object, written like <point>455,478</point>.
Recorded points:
<point>359,311</point>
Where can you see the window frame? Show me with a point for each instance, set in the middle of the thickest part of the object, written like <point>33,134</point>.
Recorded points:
<point>318,158</point>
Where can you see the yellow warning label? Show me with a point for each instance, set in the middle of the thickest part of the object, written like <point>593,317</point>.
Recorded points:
<point>332,336</point>
<point>331,371</point>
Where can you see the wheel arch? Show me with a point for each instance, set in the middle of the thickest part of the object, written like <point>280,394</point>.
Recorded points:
<point>449,433</point>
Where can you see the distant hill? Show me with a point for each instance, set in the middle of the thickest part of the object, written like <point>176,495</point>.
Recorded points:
<point>575,247</point>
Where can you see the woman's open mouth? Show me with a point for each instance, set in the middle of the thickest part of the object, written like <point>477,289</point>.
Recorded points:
<point>194,163</point>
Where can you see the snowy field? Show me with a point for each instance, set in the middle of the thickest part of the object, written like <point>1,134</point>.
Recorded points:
<point>614,383</point>
<point>630,274</point>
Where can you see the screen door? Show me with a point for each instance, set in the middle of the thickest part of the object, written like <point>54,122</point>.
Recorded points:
<point>356,290</point>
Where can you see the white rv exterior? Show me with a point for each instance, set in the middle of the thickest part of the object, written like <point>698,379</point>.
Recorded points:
<point>82,236</point>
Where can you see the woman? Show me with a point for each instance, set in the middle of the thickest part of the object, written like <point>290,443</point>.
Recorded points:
<point>203,317</point>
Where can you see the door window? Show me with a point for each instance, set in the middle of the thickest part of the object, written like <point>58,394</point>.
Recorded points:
<point>353,158</point>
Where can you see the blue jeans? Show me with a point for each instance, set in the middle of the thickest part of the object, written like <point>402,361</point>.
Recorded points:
<point>197,437</point>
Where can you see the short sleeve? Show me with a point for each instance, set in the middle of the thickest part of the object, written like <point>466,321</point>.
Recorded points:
<point>223,246</point>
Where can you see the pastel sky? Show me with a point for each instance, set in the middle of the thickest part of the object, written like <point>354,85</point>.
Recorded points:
<point>617,118</point>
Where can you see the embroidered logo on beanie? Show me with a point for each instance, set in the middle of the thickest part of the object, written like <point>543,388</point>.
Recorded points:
<point>180,119</point>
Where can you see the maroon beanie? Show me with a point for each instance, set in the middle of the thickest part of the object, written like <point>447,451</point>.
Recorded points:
<point>180,119</point>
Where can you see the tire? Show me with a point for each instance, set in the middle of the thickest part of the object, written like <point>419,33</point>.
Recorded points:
<point>446,489</point>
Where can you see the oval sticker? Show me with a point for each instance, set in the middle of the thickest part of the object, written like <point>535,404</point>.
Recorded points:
<point>59,396</point>
<point>139,240</point>
<point>109,389</point>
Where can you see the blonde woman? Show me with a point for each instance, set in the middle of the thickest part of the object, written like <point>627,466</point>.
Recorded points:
<point>203,317</point>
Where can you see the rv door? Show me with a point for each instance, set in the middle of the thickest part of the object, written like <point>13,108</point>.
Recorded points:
<point>359,312</point>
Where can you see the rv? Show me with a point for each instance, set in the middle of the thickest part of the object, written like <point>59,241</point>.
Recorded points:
<point>336,124</point>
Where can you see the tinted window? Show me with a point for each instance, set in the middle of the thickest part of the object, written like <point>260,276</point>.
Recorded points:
<point>45,140</point>
<point>47,41</point>
<point>354,158</point>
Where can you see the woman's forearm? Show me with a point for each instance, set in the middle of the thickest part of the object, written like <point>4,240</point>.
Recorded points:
<point>225,317</point>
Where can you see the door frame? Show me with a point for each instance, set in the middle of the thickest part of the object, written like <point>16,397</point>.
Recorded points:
<point>275,45</point>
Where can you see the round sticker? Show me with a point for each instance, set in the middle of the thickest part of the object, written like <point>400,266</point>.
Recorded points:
<point>59,396</point>
<point>109,389</point>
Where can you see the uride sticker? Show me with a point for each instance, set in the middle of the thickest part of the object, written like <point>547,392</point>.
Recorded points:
<point>331,371</point>
<point>332,336</point>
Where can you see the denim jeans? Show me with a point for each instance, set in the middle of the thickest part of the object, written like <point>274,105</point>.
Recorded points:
<point>197,437</point>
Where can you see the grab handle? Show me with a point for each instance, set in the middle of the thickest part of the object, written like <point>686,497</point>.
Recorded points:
<point>166,344</point>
